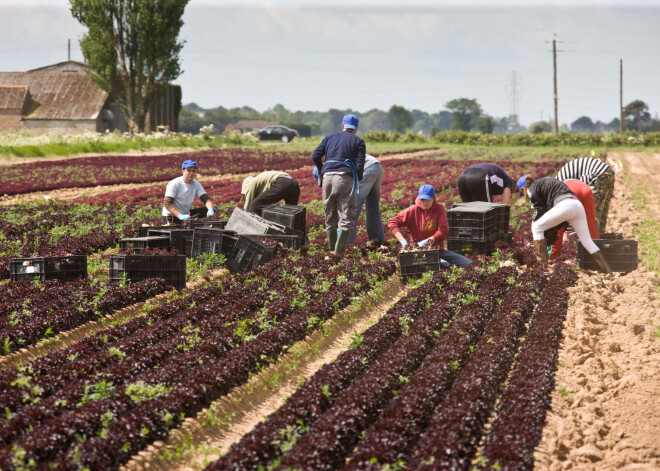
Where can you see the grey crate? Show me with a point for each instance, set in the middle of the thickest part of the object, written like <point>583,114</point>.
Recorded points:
<point>245,222</point>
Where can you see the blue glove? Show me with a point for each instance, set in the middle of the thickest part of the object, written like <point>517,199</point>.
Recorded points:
<point>210,212</point>
<point>183,217</point>
<point>423,243</point>
<point>404,243</point>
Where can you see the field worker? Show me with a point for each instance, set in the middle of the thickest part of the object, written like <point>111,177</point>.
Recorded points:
<point>180,194</point>
<point>268,188</point>
<point>369,197</point>
<point>340,177</point>
<point>480,182</point>
<point>554,203</point>
<point>586,197</point>
<point>600,178</point>
<point>427,222</point>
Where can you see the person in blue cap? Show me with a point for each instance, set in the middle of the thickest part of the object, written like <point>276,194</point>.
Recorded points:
<point>339,176</point>
<point>180,194</point>
<point>427,223</point>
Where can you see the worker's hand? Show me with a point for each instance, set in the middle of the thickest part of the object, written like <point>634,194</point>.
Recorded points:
<point>423,243</point>
<point>210,212</point>
<point>404,243</point>
<point>183,217</point>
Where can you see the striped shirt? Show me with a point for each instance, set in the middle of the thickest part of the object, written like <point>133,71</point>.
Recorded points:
<point>585,169</point>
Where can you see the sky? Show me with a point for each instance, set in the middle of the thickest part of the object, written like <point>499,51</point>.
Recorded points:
<point>315,55</point>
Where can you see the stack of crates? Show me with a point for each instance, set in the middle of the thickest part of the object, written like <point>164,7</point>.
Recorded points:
<point>249,253</point>
<point>620,254</point>
<point>134,268</point>
<point>138,244</point>
<point>245,222</point>
<point>413,264</point>
<point>66,268</point>
<point>475,227</point>
<point>293,217</point>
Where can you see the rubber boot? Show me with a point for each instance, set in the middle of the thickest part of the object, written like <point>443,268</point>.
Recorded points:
<point>541,251</point>
<point>332,238</point>
<point>342,239</point>
<point>601,262</point>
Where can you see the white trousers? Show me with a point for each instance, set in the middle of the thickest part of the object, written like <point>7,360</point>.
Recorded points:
<point>571,210</point>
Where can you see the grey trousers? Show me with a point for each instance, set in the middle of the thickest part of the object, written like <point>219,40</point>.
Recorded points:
<point>338,203</point>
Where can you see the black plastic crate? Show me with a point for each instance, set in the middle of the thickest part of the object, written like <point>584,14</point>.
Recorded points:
<point>610,235</point>
<point>208,223</point>
<point>172,268</point>
<point>288,241</point>
<point>181,239</point>
<point>415,263</point>
<point>470,246</point>
<point>138,244</point>
<point>472,221</point>
<point>288,215</point>
<point>245,222</point>
<point>502,214</point>
<point>621,255</point>
<point>207,240</point>
<point>66,268</point>
<point>249,253</point>
<point>143,231</point>
<point>227,245</point>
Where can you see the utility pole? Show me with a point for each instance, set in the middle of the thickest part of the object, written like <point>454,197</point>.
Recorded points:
<point>620,96</point>
<point>68,50</point>
<point>554,63</point>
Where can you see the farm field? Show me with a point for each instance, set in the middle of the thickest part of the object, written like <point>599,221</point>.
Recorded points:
<point>499,366</point>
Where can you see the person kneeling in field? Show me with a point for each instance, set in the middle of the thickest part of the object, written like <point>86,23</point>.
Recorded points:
<point>554,203</point>
<point>427,222</point>
<point>269,188</point>
<point>180,194</point>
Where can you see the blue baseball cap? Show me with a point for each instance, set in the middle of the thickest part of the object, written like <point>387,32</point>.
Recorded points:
<point>188,163</point>
<point>522,181</point>
<point>426,192</point>
<point>350,121</point>
<point>316,175</point>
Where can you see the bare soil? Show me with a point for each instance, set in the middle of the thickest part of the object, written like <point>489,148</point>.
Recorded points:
<point>606,409</point>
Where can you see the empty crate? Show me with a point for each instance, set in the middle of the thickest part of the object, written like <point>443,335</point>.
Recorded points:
<point>416,263</point>
<point>172,268</point>
<point>245,222</point>
<point>48,268</point>
<point>249,253</point>
<point>138,244</point>
<point>620,254</point>
<point>214,223</point>
<point>501,215</point>
<point>471,221</point>
<point>207,240</point>
<point>288,215</point>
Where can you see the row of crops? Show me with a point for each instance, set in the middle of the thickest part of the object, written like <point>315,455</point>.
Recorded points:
<point>457,373</point>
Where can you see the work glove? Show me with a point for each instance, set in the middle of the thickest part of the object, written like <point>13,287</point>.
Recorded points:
<point>183,217</point>
<point>423,243</point>
<point>404,243</point>
<point>210,212</point>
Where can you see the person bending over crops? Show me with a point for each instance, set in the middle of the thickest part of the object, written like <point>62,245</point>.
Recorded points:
<point>553,203</point>
<point>480,182</point>
<point>427,222</point>
<point>586,197</point>
<point>600,178</point>
<point>340,177</point>
<point>269,188</point>
<point>180,194</point>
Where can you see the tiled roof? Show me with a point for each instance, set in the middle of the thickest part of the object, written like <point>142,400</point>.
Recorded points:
<point>12,97</point>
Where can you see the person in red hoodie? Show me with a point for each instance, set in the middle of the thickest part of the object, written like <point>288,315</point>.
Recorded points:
<point>427,222</point>
<point>586,197</point>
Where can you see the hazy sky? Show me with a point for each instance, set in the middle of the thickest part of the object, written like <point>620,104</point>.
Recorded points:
<point>364,54</point>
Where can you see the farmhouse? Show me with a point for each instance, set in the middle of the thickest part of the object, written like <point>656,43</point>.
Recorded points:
<point>63,97</point>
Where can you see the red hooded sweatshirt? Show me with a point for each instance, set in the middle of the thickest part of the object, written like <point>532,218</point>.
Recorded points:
<point>423,224</point>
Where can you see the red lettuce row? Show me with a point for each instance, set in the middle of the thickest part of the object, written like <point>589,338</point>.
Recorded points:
<point>450,440</point>
<point>317,393</point>
<point>520,415</point>
<point>60,308</point>
<point>392,436</point>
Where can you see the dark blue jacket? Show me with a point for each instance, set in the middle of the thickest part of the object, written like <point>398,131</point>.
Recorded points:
<point>338,147</point>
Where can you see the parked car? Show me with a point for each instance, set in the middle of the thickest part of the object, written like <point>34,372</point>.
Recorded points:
<point>277,132</point>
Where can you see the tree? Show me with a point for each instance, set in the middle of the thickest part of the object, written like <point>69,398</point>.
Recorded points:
<point>132,48</point>
<point>583,124</point>
<point>466,112</point>
<point>400,118</point>
<point>636,114</point>
<point>485,125</point>
<point>540,127</point>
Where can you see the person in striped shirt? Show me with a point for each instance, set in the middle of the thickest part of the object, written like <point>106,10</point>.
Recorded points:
<point>600,178</point>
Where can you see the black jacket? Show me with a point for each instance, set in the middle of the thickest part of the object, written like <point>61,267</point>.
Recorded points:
<point>543,192</point>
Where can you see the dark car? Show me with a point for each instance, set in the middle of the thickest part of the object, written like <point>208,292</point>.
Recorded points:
<point>278,132</point>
